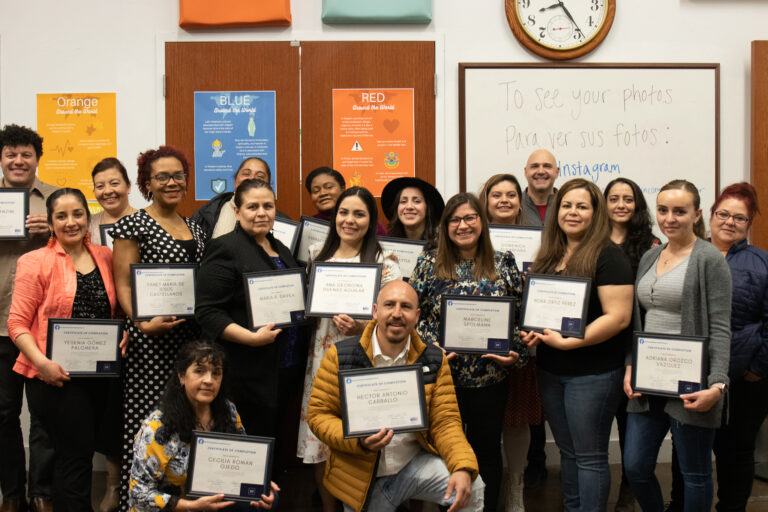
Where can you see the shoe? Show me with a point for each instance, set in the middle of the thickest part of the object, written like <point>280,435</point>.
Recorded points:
<point>40,504</point>
<point>17,504</point>
<point>534,476</point>
<point>112,492</point>
<point>514,501</point>
<point>626,501</point>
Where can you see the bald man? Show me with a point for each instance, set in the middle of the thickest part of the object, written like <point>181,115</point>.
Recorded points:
<point>541,171</point>
<point>382,471</point>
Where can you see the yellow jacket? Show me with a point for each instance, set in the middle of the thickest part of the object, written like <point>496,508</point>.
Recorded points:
<point>350,468</point>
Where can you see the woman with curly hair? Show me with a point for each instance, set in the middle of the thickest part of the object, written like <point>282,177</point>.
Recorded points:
<point>155,234</point>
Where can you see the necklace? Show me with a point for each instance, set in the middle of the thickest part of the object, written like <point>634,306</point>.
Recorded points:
<point>671,256</point>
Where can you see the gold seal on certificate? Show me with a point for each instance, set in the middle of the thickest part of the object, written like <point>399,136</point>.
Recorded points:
<point>163,290</point>
<point>476,324</point>
<point>235,465</point>
<point>522,241</point>
<point>337,288</point>
<point>85,347</point>
<point>14,208</point>
<point>376,398</point>
<point>287,231</point>
<point>668,365</point>
<point>106,238</point>
<point>558,303</point>
<point>312,231</point>
<point>275,296</point>
<point>407,252</point>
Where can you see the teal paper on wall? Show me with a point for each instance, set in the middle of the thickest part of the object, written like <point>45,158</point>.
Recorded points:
<point>376,11</point>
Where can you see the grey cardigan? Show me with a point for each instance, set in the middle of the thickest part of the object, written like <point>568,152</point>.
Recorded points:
<point>706,311</point>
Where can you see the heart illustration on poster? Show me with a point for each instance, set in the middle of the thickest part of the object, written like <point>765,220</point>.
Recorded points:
<point>391,124</point>
<point>61,181</point>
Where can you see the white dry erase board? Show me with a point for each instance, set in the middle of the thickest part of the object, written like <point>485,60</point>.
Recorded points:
<point>647,122</point>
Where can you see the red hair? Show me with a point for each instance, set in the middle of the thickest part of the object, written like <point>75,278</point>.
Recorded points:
<point>146,159</point>
<point>742,191</point>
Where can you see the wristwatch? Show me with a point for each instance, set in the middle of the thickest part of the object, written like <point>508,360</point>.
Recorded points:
<point>721,386</point>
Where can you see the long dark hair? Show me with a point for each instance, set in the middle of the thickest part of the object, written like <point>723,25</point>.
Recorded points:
<point>370,250</point>
<point>639,234</point>
<point>397,229</point>
<point>50,203</point>
<point>492,182</point>
<point>178,415</point>
<point>698,227</point>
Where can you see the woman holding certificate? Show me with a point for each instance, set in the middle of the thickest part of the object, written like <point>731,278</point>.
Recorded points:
<point>413,208</point>
<point>156,234</point>
<point>683,288</point>
<point>352,240</point>
<point>580,377</point>
<point>267,363</point>
<point>193,399</point>
<point>500,198</point>
<point>68,278</point>
<point>111,187</point>
<point>465,263</point>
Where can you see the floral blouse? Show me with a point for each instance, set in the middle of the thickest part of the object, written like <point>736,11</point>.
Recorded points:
<point>469,370</point>
<point>159,470</point>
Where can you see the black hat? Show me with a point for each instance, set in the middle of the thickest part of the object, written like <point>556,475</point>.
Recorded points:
<point>431,196</point>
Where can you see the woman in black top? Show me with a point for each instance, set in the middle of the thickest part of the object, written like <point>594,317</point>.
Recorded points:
<point>267,365</point>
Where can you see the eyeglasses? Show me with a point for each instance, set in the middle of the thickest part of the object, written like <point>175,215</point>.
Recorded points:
<point>737,219</point>
<point>163,178</point>
<point>468,219</point>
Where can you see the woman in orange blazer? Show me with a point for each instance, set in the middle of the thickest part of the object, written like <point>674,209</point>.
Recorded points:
<point>68,278</point>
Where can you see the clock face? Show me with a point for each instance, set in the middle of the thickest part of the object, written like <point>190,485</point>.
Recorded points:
<point>561,24</point>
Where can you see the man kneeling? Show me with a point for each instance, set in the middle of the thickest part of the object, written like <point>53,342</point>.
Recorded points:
<point>437,465</point>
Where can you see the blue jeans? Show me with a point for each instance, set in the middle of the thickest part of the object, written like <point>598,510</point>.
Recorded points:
<point>580,412</point>
<point>645,433</point>
<point>424,478</point>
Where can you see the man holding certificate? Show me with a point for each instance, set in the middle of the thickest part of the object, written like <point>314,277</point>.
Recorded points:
<point>435,465</point>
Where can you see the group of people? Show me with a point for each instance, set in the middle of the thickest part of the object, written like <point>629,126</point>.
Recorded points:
<point>282,383</point>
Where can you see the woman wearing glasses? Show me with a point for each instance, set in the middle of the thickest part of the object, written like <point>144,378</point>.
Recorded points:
<point>465,263</point>
<point>155,234</point>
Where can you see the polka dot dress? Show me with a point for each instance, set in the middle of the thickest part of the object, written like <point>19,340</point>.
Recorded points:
<point>149,360</point>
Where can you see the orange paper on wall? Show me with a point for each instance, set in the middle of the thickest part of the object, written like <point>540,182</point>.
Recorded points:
<point>373,136</point>
<point>78,130</point>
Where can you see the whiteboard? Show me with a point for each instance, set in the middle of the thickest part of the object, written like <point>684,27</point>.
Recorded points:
<point>650,123</point>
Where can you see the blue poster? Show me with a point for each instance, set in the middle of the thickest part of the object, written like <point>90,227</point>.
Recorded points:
<point>231,126</point>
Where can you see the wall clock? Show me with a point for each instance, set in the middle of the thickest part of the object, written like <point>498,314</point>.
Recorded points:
<point>560,29</point>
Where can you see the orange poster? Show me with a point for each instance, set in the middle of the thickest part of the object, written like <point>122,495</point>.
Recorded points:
<point>373,136</point>
<point>78,130</point>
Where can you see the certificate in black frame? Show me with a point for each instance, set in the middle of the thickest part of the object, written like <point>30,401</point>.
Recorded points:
<point>252,491</point>
<point>296,229</point>
<point>683,387</point>
<point>569,326</point>
<point>106,239</point>
<point>359,315</point>
<point>304,220</point>
<point>297,316</point>
<point>385,242</point>
<point>500,346</point>
<point>154,266</point>
<point>104,368</point>
<point>423,424</point>
<point>525,265</point>
<point>21,233</point>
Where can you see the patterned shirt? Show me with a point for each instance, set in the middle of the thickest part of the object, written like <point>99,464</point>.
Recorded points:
<point>469,371</point>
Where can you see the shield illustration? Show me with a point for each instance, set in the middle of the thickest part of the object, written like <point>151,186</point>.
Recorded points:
<point>218,185</point>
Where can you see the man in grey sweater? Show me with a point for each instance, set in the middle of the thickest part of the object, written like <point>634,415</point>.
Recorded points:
<point>541,171</point>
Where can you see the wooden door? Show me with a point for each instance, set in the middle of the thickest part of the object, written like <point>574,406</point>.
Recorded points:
<point>236,66</point>
<point>360,65</point>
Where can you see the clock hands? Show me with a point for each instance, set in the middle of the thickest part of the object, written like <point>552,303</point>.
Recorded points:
<point>568,13</point>
<point>550,7</point>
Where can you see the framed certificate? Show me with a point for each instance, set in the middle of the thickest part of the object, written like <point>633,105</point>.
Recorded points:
<point>275,296</point>
<point>312,230</point>
<point>287,231</point>
<point>235,465</point>
<point>558,303</point>
<point>522,241</point>
<point>376,398</point>
<point>667,365</point>
<point>476,324</point>
<point>407,252</point>
<point>14,208</point>
<point>163,290</point>
<point>85,347</point>
<point>343,289</point>
<point>106,238</point>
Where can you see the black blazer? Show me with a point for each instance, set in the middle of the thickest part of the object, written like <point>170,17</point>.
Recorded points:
<point>220,301</point>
